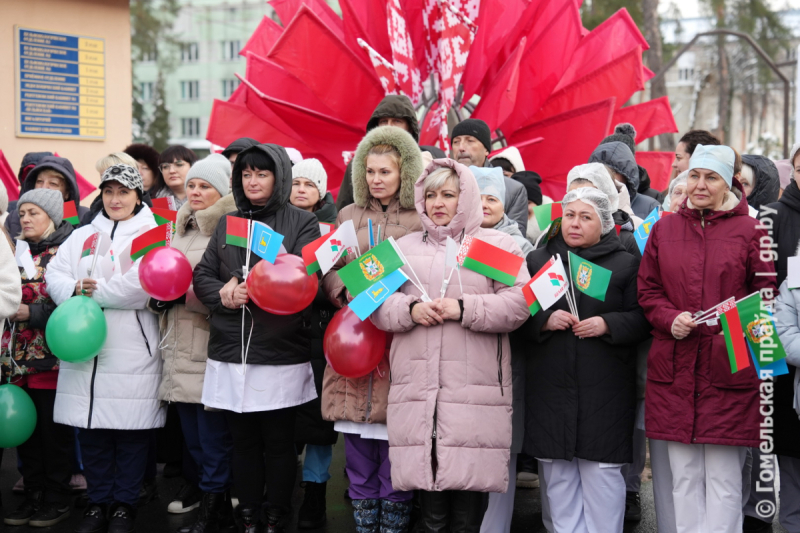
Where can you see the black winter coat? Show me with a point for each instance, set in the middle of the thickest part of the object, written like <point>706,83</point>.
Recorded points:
<point>581,393</point>
<point>768,181</point>
<point>782,221</point>
<point>276,339</point>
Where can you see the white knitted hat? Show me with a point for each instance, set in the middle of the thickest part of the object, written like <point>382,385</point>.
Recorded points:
<point>312,169</point>
<point>214,169</point>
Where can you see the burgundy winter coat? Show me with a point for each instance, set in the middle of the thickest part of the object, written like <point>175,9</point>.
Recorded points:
<point>693,261</point>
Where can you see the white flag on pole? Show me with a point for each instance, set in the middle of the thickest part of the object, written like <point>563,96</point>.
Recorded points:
<point>25,259</point>
<point>339,243</point>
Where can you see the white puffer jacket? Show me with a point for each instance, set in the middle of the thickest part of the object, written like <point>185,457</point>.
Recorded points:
<point>118,389</point>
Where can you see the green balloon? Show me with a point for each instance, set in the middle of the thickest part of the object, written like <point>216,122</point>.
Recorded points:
<point>76,331</point>
<point>17,416</point>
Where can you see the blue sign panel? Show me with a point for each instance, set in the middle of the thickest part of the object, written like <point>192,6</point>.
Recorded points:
<point>61,89</point>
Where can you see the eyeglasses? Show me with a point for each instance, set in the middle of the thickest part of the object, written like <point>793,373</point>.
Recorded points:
<point>164,167</point>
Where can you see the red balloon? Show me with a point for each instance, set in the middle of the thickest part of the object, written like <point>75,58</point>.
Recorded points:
<point>283,288</point>
<point>165,273</point>
<point>353,348</point>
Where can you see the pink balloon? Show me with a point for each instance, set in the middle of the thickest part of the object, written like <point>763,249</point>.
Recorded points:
<point>283,288</point>
<point>165,274</point>
<point>353,348</point>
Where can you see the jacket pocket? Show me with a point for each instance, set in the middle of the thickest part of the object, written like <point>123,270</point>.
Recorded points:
<point>661,359</point>
<point>721,376</point>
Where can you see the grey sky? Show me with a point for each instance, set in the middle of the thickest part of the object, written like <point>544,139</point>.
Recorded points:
<point>694,8</point>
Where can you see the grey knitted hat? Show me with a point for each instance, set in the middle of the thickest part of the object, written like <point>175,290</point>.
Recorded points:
<point>126,175</point>
<point>48,200</point>
<point>214,169</point>
<point>312,169</point>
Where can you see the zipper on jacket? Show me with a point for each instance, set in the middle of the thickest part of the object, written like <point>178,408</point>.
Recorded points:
<point>500,363</point>
<point>369,397</point>
<point>114,229</point>
<point>91,394</point>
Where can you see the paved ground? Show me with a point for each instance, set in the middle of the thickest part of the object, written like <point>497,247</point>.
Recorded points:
<point>153,518</point>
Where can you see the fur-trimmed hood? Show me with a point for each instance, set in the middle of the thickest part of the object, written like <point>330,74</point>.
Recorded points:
<point>206,219</point>
<point>410,164</point>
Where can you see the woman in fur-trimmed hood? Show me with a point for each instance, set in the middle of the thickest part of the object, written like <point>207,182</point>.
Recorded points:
<point>386,166</point>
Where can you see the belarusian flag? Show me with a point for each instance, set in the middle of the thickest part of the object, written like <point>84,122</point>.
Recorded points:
<point>547,286</point>
<point>547,213</point>
<point>362,273</point>
<point>164,216</point>
<point>167,202</point>
<point>238,230</point>
<point>154,238</point>
<point>589,278</point>
<point>734,336</point>
<point>71,213</point>
<point>90,245</point>
<point>759,327</point>
<point>493,262</point>
<point>309,254</point>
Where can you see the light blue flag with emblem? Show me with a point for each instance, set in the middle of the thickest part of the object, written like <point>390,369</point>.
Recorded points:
<point>368,301</point>
<point>642,233</point>
<point>266,242</point>
<point>778,368</point>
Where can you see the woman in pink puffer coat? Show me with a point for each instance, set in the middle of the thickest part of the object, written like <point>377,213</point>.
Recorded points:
<point>449,415</point>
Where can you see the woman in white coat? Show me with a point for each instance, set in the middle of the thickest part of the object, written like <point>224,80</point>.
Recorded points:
<point>113,398</point>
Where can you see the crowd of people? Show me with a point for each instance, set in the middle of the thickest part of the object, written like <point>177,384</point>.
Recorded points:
<point>475,395</point>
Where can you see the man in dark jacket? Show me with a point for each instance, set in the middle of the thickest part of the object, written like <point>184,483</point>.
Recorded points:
<point>471,142</point>
<point>394,110</point>
<point>626,133</point>
<point>68,186</point>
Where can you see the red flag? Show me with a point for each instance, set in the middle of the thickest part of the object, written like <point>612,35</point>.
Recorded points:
<point>498,102</point>
<point>277,82</point>
<point>288,9</point>
<point>651,118</point>
<point>8,178</point>
<point>620,79</point>
<point>363,19</point>
<point>406,70</point>
<point>658,166</point>
<point>585,127</point>
<point>166,203</point>
<point>262,40</point>
<point>383,69</point>
<point>414,11</point>
<point>310,51</point>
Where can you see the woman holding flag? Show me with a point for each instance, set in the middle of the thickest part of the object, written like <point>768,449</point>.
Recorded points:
<point>258,368</point>
<point>700,400</point>
<point>47,455</point>
<point>449,414</point>
<point>581,376</point>
<point>113,397</point>
<point>386,165</point>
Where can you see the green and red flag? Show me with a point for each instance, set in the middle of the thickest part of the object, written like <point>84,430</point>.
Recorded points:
<point>310,254</point>
<point>547,286</point>
<point>491,261</point>
<point>738,354</point>
<point>154,238</point>
<point>362,273</point>
<point>90,245</point>
<point>589,278</point>
<point>168,202</point>
<point>238,229</point>
<point>547,213</point>
<point>164,216</point>
<point>71,213</point>
<point>759,329</point>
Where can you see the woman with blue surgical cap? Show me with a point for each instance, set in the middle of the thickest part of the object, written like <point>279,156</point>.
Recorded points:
<point>707,414</point>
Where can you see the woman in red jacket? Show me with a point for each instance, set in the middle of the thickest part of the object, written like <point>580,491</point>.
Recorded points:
<point>706,254</point>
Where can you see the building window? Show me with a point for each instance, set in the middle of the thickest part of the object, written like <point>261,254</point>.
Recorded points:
<point>228,86</point>
<point>230,50</point>
<point>189,52</point>
<point>686,74</point>
<point>146,91</point>
<point>190,127</point>
<point>149,56</point>
<point>190,90</point>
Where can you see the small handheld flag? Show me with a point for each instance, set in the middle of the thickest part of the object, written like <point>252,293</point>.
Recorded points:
<point>310,256</point>
<point>360,274</point>
<point>325,228</point>
<point>368,301</point>
<point>90,245</point>
<point>338,244</point>
<point>154,238</point>
<point>71,213</point>
<point>371,234</point>
<point>547,286</point>
<point>734,336</point>
<point>24,259</point>
<point>164,216</point>
<point>168,202</point>
<point>547,213</point>
<point>237,230</point>
<point>759,329</point>
<point>265,243</point>
<point>642,233</point>
<point>589,278</point>
<point>491,261</point>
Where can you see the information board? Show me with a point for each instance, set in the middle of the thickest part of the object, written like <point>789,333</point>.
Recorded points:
<point>61,85</point>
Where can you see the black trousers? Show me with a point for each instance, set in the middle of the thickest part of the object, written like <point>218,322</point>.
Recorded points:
<point>264,453</point>
<point>452,511</point>
<point>48,456</point>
